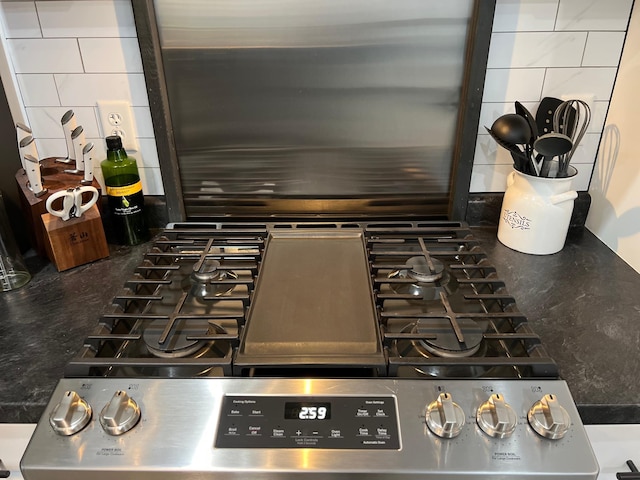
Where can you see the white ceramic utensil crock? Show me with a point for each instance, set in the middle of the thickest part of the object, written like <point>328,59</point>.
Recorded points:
<point>536,212</point>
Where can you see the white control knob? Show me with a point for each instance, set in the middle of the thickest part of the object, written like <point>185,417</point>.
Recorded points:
<point>548,418</point>
<point>496,418</point>
<point>120,415</point>
<point>444,417</point>
<point>71,415</point>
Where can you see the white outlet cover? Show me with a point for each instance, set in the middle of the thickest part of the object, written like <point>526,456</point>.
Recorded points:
<point>116,118</point>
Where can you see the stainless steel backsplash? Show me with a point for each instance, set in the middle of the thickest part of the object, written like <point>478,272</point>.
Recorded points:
<point>317,106</point>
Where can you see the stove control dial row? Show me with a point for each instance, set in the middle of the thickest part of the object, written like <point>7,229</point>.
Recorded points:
<point>496,417</point>
<point>73,414</point>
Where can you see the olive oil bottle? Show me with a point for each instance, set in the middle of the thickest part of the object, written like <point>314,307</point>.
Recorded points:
<point>124,194</point>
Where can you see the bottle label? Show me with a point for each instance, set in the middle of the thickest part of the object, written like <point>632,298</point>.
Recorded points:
<point>126,190</point>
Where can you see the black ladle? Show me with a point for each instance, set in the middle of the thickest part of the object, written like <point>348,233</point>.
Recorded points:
<point>550,145</point>
<point>519,157</point>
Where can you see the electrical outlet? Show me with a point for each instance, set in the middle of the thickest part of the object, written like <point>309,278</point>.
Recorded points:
<point>116,118</point>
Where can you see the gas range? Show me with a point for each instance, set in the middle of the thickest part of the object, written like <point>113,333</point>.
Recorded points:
<point>378,350</point>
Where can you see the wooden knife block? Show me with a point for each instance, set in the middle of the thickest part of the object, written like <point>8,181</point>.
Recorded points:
<point>54,178</point>
<point>76,241</point>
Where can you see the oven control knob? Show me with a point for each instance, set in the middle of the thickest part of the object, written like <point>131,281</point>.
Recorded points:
<point>496,418</point>
<point>444,417</point>
<point>71,415</point>
<point>120,415</point>
<point>548,418</point>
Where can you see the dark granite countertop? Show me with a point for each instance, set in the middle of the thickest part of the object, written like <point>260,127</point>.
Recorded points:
<point>582,301</point>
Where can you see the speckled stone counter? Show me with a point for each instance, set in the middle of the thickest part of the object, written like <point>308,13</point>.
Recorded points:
<point>582,301</point>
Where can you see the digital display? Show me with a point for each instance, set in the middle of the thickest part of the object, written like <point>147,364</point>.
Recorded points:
<point>307,411</point>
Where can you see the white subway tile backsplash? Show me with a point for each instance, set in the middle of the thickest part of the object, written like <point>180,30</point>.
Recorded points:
<point>20,20</point>
<point>111,55</point>
<point>488,152</point>
<point>47,55</point>
<point>603,49</point>
<point>38,90</point>
<point>144,124</point>
<point>86,90</point>
<point>590,81</point>
<point>596,15</point>
<point>45,122</point>
<point>151,181</point>
<point>148,154</point>
<point>489,178</point>
<point>51,147</point>
<point>508,85</point>
<point>598,116</point>
<point>525,15</point>
<point>587,150</point>
<point>536,49</point>
<point>97,18</point>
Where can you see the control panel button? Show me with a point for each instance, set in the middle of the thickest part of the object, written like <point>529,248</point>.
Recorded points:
<point>120,415</point>
<point>71,415</point>
<point>548,418</point>
<point>496,418</point>
<point>444,417</point>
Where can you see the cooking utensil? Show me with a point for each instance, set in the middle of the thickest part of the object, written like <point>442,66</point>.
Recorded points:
<point>34,175</point>
<point>69,124</point>
<point>88,164</point>
<point>512,128</point>
<point>571,118</point>
<point>519,157</point>
<point>78,140</point>
<point>73,204</point>
<point>526,114</point>
<point>550,145</point>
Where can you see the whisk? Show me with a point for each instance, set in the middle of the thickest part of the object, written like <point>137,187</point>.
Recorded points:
<point>572,119</point>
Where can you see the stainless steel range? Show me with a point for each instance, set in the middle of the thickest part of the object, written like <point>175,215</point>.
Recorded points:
<point>317,350</point>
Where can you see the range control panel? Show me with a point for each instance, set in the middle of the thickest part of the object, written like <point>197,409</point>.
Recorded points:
<point>334,422</point>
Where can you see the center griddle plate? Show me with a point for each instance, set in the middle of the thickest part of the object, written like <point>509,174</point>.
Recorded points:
<point>313,303</point>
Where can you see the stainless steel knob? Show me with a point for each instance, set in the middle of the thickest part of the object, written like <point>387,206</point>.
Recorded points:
<point>444,417</point>
<point>548,418</point>
<point>120,415</point>
<point>71,415</point>
<point>496,418</point>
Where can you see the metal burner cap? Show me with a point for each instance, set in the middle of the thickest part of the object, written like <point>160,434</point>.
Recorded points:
<point>208,271</point>
<point>419,270</point>
<point>446,343</point>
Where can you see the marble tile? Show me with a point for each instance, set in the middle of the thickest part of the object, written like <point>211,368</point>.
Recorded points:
<point>20,20</point>
<point>97,18</point>
<point>38,90</point>
<point>148,154</point>
<point>536,49</point>
<point>110,55</point>
<point>592,81</point>
<point>86,90</point>
<point>46,55</point>
<point>603,49</point>
<point>45,121</point>
<point>525,15</point>
<point>599,15</point>
<point>508,85</point>
<point>598,116</point>
<point>51,147</point>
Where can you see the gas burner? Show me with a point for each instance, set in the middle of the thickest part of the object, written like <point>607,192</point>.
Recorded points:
<point>427,282</point>
<point>446,343</point>
<point>178,345</point>
<point>420,270</point>
<point>209,271</point>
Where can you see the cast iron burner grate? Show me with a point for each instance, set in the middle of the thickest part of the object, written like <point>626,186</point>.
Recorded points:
<point>442,310</point>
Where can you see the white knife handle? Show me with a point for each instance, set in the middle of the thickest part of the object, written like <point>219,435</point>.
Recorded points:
<point>87,156</point>
<point>34,175</point>
<point>69,124</point>
<point>22,132</point>
<point>78,139</point>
